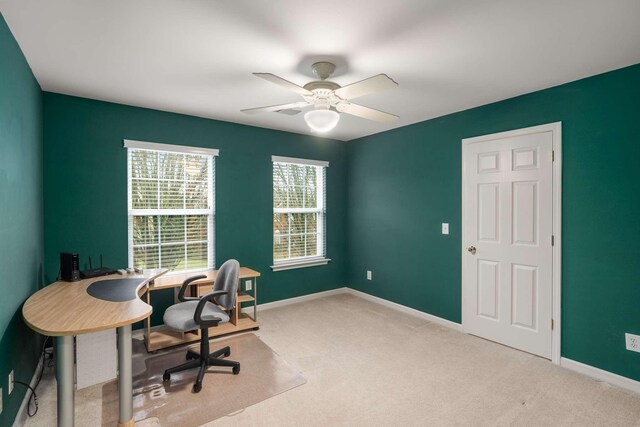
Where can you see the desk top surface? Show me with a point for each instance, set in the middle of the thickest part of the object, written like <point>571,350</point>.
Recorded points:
<point>65,308</point>
<point>175,280</point>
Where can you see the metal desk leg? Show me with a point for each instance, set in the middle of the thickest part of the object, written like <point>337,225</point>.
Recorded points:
<point>64,378</point>
<point>125,377</point>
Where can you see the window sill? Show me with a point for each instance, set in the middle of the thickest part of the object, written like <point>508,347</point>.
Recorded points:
<point>194,272</point>
<point>290,265</point>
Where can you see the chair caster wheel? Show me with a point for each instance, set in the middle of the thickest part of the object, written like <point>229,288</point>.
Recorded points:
<point>227,353</point>
<point>256,328</point>
<point>236,370</point>
<point>166,377</point>
<point>197,387</point>
<point>190,357</point>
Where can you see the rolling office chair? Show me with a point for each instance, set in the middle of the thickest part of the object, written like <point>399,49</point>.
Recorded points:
<point>202,313</point>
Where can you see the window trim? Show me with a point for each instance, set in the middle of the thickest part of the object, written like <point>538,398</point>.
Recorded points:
<point>292,263</point>
<point>308,162</point>
<point>307,261</point>
<point>211,213</point>
<point>182,149</point>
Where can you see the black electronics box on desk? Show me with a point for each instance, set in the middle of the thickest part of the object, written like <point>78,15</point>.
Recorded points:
<point>69,266</point>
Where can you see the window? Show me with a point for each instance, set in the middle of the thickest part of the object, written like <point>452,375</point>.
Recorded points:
<point>171,206</point>
<point>299,213</point>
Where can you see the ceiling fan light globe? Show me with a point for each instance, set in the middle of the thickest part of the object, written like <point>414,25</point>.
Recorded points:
<point>322,121</point>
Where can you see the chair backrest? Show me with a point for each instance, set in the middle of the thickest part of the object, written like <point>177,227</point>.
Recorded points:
<point>227,280</point>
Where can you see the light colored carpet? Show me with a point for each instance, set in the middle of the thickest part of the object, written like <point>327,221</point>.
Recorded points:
<point>368,365</point>
<point>263,374</point>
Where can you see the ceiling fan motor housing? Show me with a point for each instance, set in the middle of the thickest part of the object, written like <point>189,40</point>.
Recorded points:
<point>323,90</point>
<point>323,95</point>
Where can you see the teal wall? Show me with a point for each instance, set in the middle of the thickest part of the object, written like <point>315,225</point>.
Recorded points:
<point>402,184</point>
<point>85,191</point>
<point>387,195</point>
<point>20,216</point>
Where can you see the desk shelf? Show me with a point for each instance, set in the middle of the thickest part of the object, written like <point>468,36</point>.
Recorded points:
<point>245,298</point>
<point>163,337</point>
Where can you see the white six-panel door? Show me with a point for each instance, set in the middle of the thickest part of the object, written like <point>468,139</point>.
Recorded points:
<point>508,227</point>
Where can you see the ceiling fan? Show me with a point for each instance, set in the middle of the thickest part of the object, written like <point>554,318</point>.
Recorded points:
<point>328,99</point>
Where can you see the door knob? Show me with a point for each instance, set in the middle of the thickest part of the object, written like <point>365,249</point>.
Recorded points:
<point>472,249</point>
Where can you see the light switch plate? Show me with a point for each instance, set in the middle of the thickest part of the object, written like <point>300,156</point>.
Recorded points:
<point>445,228</point>
<point>369,275</point>
<point>248,285</point>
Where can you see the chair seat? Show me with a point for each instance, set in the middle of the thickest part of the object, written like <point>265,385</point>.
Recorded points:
<point>180,316</point>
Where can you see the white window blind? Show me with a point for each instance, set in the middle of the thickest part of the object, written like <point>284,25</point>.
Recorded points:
<point>299,212</point>
<point>171,207</point>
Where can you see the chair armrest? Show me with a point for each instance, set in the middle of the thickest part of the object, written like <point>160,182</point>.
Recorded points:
<point>197,316</point>
<point>185,285</point>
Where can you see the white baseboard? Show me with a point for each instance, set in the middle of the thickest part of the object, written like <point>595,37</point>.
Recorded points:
<point>345,290</point>
<point>600,374</point>
<point>295,300</point>
<point>590,371</point>
<point>596,373</point>
<point>407,310</point>
<point>139,333</point>
<point>21,416</point>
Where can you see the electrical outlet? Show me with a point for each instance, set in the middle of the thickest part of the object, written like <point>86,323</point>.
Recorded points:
<point>368,274</point>
<point>445,228</point>
<point>248,285</point>
<point>633,342</point>
<point>10,387</point>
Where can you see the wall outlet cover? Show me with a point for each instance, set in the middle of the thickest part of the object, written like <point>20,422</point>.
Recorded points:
<point>369,275</point>
<point>445,228</point>
<point>248,285</point>
<point>633,342</point>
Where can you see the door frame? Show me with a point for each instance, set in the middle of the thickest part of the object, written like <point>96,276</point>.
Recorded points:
<point>556,131</point>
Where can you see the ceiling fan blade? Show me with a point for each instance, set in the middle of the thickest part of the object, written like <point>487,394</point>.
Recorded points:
<point>284,83</point>
<point>367,113</point>
<point>366,86</point>
<point>300,104</point>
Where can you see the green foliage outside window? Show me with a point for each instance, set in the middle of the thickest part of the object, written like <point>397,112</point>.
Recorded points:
<point>166,189</point>
<point>298,211</point>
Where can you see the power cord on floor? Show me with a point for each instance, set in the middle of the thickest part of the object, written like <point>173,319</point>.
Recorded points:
<point>33,396</point>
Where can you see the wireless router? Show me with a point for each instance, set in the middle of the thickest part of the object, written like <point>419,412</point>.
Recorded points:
<point>96,272</point>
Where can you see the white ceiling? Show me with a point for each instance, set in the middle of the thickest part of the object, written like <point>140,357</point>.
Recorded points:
<point>196,57</point>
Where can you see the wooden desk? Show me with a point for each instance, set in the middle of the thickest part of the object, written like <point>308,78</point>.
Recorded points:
<point>157,338</point>
<point>65,309</point>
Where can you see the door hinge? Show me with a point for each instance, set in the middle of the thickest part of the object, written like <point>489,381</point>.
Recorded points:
<point>552,324</point>
<point>553,240</point>
<point>553,155</point>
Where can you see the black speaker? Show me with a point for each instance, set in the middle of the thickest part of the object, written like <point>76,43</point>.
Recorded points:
<point>69,266</point>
